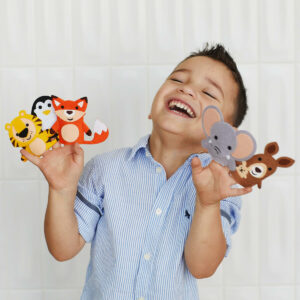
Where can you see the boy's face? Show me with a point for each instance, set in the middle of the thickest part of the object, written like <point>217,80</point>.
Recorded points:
<point>194,84</point>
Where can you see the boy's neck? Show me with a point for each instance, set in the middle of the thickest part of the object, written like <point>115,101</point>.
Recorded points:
<point>171,150</point>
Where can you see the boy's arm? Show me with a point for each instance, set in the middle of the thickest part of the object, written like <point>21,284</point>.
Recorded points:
<point>61,167</point>
<point>205,246</point>
<point>61,228</point>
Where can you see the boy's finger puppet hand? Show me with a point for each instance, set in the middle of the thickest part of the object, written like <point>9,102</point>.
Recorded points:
<point>213,183</point>
<point>225,144</point>
<point>260,166</point>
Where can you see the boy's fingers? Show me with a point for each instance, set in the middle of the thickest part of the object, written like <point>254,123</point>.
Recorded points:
<point>240,191</point>
<point>32,158</point>
<point>56,145</point>
<point>78,149</point>
<point>196,166</point>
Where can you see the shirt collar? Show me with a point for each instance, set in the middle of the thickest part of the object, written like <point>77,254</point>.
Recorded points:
<point>143,142</point>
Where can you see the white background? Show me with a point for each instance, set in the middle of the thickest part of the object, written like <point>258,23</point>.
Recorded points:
<point>118,53</point>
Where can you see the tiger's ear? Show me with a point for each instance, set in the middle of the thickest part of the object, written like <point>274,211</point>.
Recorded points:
<point>7,126</point>
<point>22,113</point>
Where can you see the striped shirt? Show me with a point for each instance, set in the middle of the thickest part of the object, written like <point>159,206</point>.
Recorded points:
<point>137,223</point>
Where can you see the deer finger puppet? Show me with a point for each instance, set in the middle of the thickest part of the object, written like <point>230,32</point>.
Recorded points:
<point>225,144</point>
<point>260,166</point>
<point>70,123</point>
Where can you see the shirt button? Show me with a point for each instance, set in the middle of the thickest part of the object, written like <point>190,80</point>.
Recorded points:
<point>158,211</point>
<point>148,154</point>
<point>147,256</point>
<point>158,170</point>
<point>141,298</point>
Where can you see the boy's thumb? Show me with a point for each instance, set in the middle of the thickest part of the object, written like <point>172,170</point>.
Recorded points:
<point>196,166</point>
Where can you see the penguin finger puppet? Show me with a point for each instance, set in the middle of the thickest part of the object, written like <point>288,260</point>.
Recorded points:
<point>260,166</point>
<point>225,144</point>
<point>44,110</point>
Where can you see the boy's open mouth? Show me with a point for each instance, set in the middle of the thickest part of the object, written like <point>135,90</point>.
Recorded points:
<point>181,108</point>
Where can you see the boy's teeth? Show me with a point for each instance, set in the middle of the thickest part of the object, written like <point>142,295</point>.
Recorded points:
<point>182,106</point>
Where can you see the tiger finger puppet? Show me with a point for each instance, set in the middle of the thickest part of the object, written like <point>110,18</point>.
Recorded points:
<point>26,131</point>
<point>254,170</point>
<point>70,123</point>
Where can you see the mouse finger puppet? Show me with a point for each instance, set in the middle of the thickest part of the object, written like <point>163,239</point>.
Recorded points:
<point>225,144</point>
<point>70,124</point>
<point>26,131</point>
<point>260,166</point>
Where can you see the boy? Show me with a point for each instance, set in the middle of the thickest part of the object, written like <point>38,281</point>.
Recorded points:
<point>160,214</point>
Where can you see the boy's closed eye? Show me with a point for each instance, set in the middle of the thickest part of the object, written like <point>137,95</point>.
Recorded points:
<point>205,92</point>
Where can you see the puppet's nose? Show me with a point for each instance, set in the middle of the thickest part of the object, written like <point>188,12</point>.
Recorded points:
<point>69,112</point>
<point>257,170</point>
<point>23,133</point>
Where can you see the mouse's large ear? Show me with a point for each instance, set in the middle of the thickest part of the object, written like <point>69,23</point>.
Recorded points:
<point>245,146</point>
<point>210,115</point>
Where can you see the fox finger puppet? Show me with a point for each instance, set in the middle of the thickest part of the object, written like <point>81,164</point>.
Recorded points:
<point>70,123</point>
<point>26,131</point>
<point>260,166</point>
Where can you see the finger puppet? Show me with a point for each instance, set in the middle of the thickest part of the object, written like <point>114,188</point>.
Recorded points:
<point>70,124</point>
<point>224,143</point>
<point>43,109</point>
<point>26,131</point>
<point>260,166</point>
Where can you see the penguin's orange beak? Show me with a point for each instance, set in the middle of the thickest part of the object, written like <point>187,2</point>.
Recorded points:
<point>46,112</point>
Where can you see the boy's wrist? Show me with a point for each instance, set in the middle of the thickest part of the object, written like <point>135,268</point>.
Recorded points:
<point>204,201</point>
<point>65,193</point>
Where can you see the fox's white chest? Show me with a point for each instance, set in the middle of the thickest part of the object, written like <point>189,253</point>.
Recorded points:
<point>70,133</point>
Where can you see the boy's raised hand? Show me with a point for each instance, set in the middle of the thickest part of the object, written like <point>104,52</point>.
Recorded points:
<point>61,166</point>
<point>213,183</point>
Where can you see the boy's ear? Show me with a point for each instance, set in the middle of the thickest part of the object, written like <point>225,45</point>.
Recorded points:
<point>149,117</point>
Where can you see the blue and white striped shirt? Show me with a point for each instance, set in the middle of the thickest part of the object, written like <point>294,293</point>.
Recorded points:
<point>138,222</point>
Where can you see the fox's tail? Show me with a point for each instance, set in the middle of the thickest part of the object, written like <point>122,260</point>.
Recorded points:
<point>100,133</point>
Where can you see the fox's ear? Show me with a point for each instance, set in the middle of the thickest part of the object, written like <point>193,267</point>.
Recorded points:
<point>85,99</point>
<point>56,101</point>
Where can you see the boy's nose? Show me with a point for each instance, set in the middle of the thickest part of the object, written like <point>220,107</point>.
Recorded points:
<point>187,90</point>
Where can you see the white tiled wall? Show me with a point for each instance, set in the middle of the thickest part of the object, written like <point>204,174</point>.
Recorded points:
<point>117,53</point>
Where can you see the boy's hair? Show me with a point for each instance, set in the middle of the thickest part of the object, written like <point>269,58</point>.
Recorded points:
<point>219,53</point>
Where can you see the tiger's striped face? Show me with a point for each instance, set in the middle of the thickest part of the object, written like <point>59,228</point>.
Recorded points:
<point>23,129</point>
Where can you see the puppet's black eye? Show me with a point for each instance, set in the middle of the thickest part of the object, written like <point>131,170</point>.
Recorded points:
<point>49,104</point>
<point>259,158</point>
<point>62,107</point>
<point>215,137</point>
<point>269,169</point>
<point>27,124</point>
<point>40,106</point>
<point>76,107</point>
<point>229,147</point>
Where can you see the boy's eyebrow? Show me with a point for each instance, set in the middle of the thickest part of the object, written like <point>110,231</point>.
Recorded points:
<point>215,84</point>
<point>180,70</point>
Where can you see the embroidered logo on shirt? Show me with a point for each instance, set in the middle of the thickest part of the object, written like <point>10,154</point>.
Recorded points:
<point>187,214</point>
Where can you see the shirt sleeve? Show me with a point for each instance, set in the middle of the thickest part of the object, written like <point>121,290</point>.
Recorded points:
<point>88,206</point>
<point>230,217</point>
